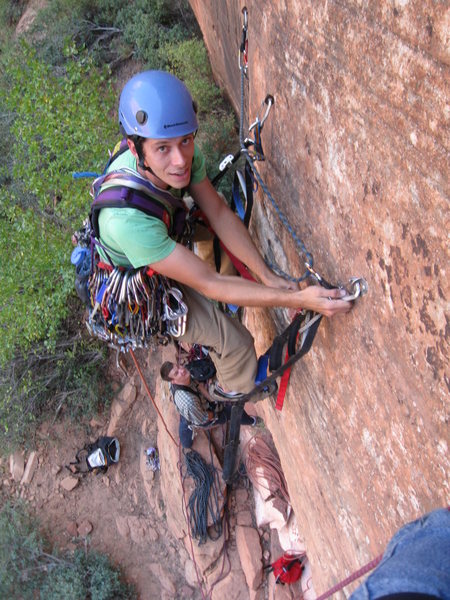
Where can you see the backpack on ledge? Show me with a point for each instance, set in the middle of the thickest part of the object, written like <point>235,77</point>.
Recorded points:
<point>97,457</point>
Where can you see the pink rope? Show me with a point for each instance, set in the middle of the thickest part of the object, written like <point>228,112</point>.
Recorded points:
<point>362,571</point>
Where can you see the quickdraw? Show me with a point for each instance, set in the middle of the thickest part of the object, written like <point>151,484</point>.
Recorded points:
<point>130,308</point>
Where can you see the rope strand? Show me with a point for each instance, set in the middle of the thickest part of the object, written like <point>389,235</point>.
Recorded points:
<point>353,577</point>
<point>297,240</point>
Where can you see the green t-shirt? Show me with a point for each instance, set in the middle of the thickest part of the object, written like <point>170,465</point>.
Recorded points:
<point>133,238</point>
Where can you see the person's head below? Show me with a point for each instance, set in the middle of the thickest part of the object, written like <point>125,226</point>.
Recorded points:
<point>158,117</point>
<point>175,373</point>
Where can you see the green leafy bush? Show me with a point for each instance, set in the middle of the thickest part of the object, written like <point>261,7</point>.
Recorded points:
<point>87,576</point>
<point>112,30</point>
<point>147,26</point>
<point>29,570</point>
<point>189,61</point>
<point>22,556</point>
<point>60,125</point>
<point>44,383</point>
<point>10,12</point>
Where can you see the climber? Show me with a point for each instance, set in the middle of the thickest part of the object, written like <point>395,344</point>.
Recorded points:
<point>158,117</point>
<point>195,405</point>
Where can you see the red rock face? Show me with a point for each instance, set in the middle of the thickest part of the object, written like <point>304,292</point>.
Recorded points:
<point>357,157</point>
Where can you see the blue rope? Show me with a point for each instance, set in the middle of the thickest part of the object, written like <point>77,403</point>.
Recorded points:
<point>81,174</point>
<point>204,498</point>
<point>298,242</point>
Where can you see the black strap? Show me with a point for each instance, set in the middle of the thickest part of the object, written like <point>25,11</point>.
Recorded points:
<point>291,361</point>
<point>231,446</point>
<point>289,336</point>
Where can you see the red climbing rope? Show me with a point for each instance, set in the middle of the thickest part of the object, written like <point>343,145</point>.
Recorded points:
<point>353,577</point>
<point>264,468</point>
<point>147,389</point>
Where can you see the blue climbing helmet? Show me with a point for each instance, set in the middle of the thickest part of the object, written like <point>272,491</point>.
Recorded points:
<point>156,104</point>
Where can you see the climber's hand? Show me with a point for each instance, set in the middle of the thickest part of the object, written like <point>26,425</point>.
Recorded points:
<point>326,302</point>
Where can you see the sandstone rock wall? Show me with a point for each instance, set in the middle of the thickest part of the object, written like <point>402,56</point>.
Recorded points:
<point>357,150</point>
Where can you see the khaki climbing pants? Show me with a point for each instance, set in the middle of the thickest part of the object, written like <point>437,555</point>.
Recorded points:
<point>230,344</point>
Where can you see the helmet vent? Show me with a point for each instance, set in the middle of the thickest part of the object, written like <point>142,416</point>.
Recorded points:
<point>141,117</point>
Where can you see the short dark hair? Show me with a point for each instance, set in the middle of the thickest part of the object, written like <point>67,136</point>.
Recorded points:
<point>166,367</point>
<point>138,142</point>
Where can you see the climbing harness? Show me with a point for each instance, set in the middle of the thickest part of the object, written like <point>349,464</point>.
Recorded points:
<point>96,457</point>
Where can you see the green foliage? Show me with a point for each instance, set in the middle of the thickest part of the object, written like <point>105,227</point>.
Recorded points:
<point>42,383</point>
<point>147,26</point>
<point>10,12</point>
<point>59,126</point>
<point>34,282</point>
<point>85,23</point>
<point>189,61</point>
<point>112,30</point>
<point>28,571</point>
<point>21,553</point>
<point>88,576</point>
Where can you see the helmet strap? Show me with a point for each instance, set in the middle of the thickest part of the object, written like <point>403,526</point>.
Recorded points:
<point>144,167</point>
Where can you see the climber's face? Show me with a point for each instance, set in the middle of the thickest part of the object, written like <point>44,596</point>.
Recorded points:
<point>179,375</point>
<point>170,161</point>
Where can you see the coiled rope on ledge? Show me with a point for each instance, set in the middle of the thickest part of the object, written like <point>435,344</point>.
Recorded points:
<point>203,499</point>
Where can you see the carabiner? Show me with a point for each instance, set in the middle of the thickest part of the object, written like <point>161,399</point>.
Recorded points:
<point>269,100</point>
<point>243,49</point>
<point>323,282</point>
<point>245,13</point>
